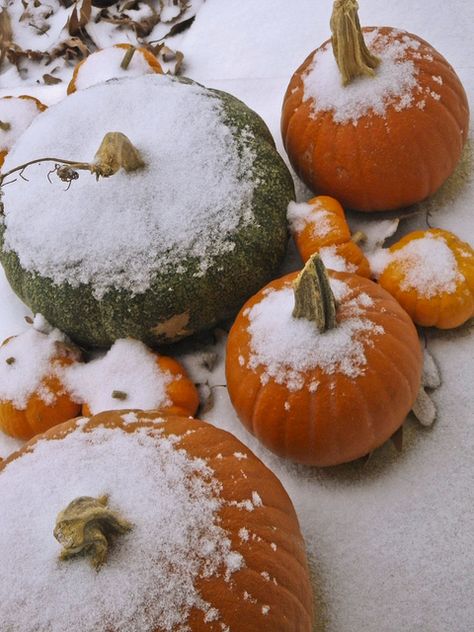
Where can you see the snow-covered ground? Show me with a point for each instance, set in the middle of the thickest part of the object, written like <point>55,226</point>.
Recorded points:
<point>390,542</point>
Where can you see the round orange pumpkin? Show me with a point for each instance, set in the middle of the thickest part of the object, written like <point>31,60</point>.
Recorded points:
<point>16,113</point>
<point>431,274</point>
<point>210,540</point>
<point>33,397</point>
<point>389,137</point>
<point>106,64</point>
<point>320,226</point>
<point>323,397</point>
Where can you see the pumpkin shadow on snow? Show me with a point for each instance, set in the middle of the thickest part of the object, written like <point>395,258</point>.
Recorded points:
<point>370,467</point>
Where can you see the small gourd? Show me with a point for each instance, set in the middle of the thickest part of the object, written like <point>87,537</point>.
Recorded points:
<point>119,60</point>
<point>431,274</point>
<point>320,226</point>
<point>130,375</point>
<point>16,114</point>
<point>33,397</point>
<point>323,369</point>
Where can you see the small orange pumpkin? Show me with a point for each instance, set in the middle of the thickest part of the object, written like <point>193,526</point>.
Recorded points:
<point>111,62</point>
<point>431,274</point>
<point>33,397</point>
<point>321,226</point>
<point>329,391</point>
<point>211,542</point>
<point>16,114</point>
<point>387,134</point>
<point>132,375</point>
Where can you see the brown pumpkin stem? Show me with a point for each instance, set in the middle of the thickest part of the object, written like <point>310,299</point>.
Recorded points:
<point>352,55</point>
<point>314,299</point>
<point>359,237</point>
<point>5,126</point>
<point>116,151</point>
<point>127,58</point>
<point>119,395</point>
<point>86,527</point>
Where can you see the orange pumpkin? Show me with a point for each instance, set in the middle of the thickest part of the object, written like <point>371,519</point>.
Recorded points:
<point>16,113</point>
<point>107,64</point>
<point>323,396</point>
<point>431,274</point>
<point>320,226</point>
<point>112,391</point>
<point>33,397</point>
<point>210,539</point>
<point>392,134</point>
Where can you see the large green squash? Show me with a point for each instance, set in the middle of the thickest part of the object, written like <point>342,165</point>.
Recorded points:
<point>156,254</point>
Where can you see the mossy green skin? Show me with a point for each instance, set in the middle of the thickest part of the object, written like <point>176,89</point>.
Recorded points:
<point>178,305</point>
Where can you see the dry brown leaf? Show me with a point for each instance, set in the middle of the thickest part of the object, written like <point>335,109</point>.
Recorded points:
<point>78,20</point>
<point>50,80</point>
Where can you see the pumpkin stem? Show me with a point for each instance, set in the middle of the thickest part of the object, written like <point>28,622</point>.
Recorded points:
<point>116,151</point>
<point>352,55</point>
<point>314,299</point>
<point>358,237</point>
<point>127,58</point>
<point>86,527</point>
<point>5,126</point>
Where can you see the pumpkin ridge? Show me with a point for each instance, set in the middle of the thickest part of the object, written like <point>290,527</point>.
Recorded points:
<point>391,361</point>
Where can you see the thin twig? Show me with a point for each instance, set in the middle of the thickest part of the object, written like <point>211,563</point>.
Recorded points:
<point>75,165</point>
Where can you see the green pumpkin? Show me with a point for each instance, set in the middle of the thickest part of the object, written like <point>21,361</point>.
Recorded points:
<point>160,253</point>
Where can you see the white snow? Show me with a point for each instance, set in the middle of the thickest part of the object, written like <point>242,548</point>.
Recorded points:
<point>127,376</point>
<point>106,64</point>
<point>17,114</point>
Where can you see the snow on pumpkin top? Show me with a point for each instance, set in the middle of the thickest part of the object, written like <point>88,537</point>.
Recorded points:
<point>395,82</point>
<point>118,232</point>
<point>106,64</point>
<point>150,578</point>
<point>26,361</point>
<point>127,376</point>
<point>301,214</point>
<point>17,114</point>
<point>288,347</point>
<point>428,265</point>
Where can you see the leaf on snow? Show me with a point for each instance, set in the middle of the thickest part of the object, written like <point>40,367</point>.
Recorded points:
<point>77,20</point>
<point>50,80</point>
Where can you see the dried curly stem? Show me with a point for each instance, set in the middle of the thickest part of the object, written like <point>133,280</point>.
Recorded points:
<point>116,151</point>
<point>352,55</point>
<point>314,299</point>
<point>86,526</point>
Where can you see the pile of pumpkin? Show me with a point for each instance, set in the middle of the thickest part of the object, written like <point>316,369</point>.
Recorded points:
<point>323,365</point>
